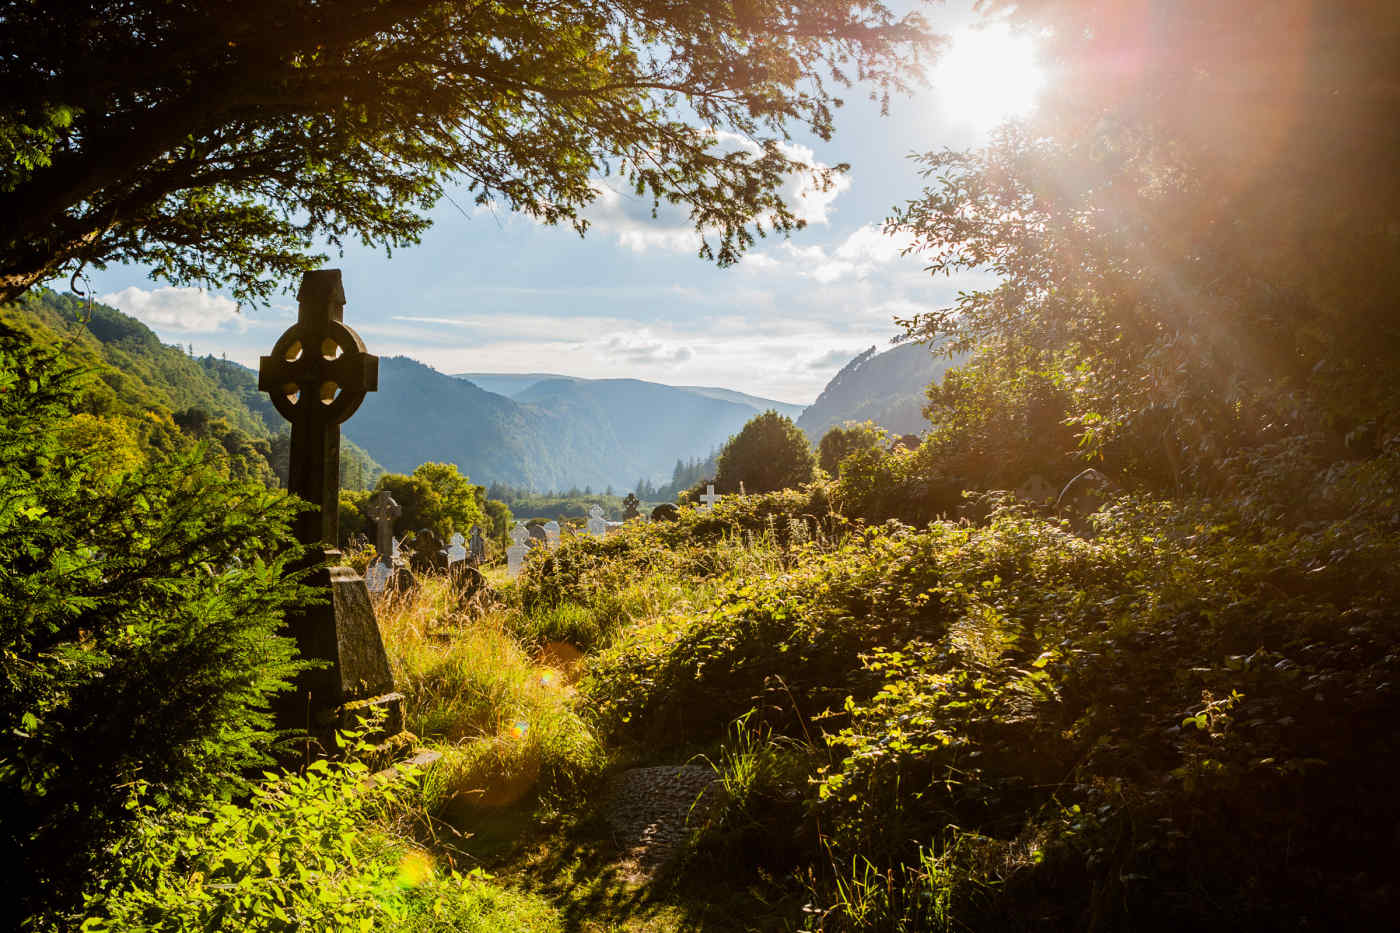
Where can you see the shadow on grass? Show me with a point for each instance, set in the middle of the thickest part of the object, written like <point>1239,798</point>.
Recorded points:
<point>575,863</point>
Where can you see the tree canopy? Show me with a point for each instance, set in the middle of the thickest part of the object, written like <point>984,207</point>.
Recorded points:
<point>221,142</point>
<point>1198,260</point>
<point>770,453</point>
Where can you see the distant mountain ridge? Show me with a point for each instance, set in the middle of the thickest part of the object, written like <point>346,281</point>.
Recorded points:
<point>556,432</point>
<point>886,388</point>
<point>515,384</point>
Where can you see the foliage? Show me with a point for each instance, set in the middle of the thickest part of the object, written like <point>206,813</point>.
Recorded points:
<point>140,613</point>
<point>302,853</point>
<point>249,135</point>
<point>840,442</point>
<point>1193,287</point>
<point>769,454</point>
<point>437,497</point>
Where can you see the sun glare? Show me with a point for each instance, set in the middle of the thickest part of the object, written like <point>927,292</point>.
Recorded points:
<point>988,75</point>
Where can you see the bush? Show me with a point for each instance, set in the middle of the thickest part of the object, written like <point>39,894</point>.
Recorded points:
<point>139,620</point>
<point>308,851</point>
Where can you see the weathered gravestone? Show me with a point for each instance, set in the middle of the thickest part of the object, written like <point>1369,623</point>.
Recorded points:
<point>317,375</point>
<point>551,534</point>
<point>456,549</point>
<point>631,507</point>
<point>515,554</point>
<point>597,525</point>
<point>538,538</point>
<point>382,509</point>
<point>477,547</point>
<point>665,512</point>
<point>428,553</point>
<point>710,498</point>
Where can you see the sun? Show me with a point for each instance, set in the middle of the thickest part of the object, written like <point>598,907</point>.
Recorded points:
<point>988,75</point>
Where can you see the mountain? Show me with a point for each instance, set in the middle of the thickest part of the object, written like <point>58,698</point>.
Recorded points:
<point>886,388</point>
<point>515,384</point>
<point>160,392</point>
<point>758,404</point>
<point>508,384</point>
<point>556,433</point>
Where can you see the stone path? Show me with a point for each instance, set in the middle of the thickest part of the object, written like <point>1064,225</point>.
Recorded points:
<point>647,810</point>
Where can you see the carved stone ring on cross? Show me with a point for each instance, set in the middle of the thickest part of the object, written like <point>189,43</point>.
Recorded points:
<point>319,363</point>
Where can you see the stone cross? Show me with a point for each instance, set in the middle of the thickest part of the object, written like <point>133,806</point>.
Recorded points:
<point>597,525</point>
<point>382,509</point>
<point>478,545</point>
<point>709,498</point>
<point>631,507</point>
<point>318,375</point>
<point>551,534</point>
<point>456,552</point>
<point>515,554</point>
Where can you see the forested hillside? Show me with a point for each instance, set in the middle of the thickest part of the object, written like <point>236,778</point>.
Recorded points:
<point>145,390</point>
<point>888,388</point>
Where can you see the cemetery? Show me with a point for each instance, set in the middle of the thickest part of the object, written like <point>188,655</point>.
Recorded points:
<point>386,610</point>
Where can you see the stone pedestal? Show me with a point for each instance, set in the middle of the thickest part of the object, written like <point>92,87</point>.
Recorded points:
<point>354,678</point>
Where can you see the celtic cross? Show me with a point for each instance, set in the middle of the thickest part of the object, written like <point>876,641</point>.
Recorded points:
<point>383,508</point>
<point>318,375</point>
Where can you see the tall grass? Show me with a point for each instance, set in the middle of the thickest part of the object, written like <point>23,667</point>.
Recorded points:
<point>506,725</point>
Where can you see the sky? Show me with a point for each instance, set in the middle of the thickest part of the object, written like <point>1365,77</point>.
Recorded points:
<point>487,291</point>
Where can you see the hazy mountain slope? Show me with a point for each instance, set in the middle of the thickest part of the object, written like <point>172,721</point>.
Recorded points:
<point>644,426</point>
<point>887,388</point>
<point>420,414</point>
<point>508,384</point>
<point>757,403</point>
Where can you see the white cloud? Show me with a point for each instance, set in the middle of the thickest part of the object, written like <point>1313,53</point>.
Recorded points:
<point>644,349</point>
<point>187,310</point>
<point>863,252</point>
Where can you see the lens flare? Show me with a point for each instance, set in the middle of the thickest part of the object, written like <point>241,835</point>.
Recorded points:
<point>519,729</point>
<point>415,868</point>
<point>549,679</point>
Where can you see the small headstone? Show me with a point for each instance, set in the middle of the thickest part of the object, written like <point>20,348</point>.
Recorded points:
<point>597,525</point>
<point>515,554</point>
<point>742,490</point>
<point>428,553</point>
<point>456,549</point>
<point>537,536</point>
<point>477,547</point>
<point>377,576</point>
<point>631,507</point>
<point>710,498</point>
<point>551,534</point>
<point>665,512</point>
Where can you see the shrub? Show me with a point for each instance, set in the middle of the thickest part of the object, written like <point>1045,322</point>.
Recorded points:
<point>139,619</point>
<point>308,851</point>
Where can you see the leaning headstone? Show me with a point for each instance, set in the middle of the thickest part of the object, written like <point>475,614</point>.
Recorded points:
<point>551,534</point>
<point>1082,496</point>
<point>477,547</point>
<point>317,375</point>
<point>710,498</point>
<point>456,549</point>
<point>597,525</point>
<point>665,512</point>
<point>515,554</point>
